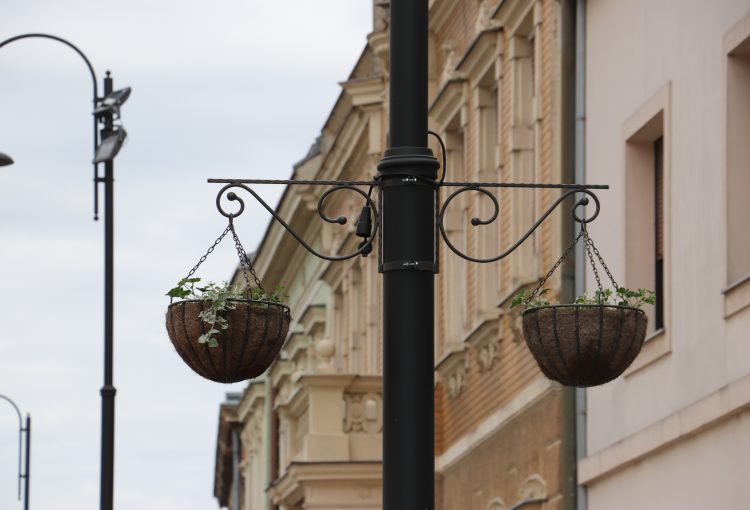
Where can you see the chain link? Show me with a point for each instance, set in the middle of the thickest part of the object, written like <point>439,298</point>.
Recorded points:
<point>590,247</point>
<point>203,258</point>
<point>591,251</point>
<point>557,264</point>
<point>246,263</point>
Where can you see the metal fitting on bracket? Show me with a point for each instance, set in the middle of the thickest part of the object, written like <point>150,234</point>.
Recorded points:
<point>409,180</point>
<point>408,265</point>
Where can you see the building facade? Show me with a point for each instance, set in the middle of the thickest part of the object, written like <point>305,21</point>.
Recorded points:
<point>308,434</point>
<point>668,125</point>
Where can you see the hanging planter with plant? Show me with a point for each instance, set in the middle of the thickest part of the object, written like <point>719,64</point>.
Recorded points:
<point>591,341</point>
<point>223,333</point>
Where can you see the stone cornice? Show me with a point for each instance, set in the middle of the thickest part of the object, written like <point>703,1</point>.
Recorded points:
<point>300,474</point>
<point>481,51</point>
<point>448,102</point>
<point>253,397</point>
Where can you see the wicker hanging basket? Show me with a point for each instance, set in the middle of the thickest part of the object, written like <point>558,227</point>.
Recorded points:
<point>583,344</point>
<point>254,334</point>
<point>252,340</point>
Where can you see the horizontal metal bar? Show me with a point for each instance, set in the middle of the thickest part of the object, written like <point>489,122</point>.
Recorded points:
<point>524,185</point>
<point>376,183</point>
<point>292,181</point>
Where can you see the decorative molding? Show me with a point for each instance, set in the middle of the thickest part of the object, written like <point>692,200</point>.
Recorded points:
<point>450,64</point>
<point>481,53</point>
<point>534,487</point>
<point>363,412</point>
<point>449,101</point>
<point>453,370</point>
<point>365,91</point>
<point>485,342</point>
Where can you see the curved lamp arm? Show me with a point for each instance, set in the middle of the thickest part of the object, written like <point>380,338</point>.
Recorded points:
<point>20,432</point>
<point>93,81</point>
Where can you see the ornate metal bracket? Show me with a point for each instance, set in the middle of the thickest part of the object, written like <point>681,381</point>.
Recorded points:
<point>368,228</point>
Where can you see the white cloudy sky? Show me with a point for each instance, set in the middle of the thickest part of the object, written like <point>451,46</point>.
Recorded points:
<point>227,88</point>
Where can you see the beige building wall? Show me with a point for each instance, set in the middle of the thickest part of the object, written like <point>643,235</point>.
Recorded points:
<point>673,432</point>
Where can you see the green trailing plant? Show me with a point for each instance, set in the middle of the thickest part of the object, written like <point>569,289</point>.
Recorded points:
<point>621,297</point>
<point>524,295</point>
<point>221,297</point>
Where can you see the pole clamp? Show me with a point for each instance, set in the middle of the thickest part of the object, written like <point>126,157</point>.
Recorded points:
<point>405,265</point>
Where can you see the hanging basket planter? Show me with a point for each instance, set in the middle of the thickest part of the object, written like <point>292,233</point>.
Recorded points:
<point>224,335</point>
<point>584,345</point>
<point>254,336</point>
<point>592,341</point>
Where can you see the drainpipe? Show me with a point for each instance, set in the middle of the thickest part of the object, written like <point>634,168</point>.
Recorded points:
<point>580,176</point>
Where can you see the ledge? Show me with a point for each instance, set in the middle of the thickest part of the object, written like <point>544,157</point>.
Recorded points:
<point>688,421</point>
<point>737,297</point>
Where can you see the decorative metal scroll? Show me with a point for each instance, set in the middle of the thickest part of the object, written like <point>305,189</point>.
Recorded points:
<point>363,248</point>
<point>227,192</point>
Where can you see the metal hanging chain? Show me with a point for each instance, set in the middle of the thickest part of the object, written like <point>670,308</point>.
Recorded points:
<point>591,251</point>
<point>213,246</point>
<point>246,263</point>
<point>541,283</point>
<point>590,247</point>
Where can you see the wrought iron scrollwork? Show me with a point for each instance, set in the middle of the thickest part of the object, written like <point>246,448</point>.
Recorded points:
<point>363,248</point>
<point>481,188</point>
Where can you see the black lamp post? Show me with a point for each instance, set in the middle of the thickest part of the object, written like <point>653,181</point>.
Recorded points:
<point>108,139</point>
<point>24,475</point>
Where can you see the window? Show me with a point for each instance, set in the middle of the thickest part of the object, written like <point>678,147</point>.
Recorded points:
<point>738,163</point>
<point>659,232</point>
<point>647,217</point>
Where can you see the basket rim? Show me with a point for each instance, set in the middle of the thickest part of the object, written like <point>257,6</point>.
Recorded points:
<point>248,301</point>
<point>580,305</point>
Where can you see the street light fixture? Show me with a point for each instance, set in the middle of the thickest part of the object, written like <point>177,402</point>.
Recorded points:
<point>108,139</point>
<point>24,475</point>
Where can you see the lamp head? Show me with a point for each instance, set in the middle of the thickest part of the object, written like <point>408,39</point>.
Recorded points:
<point>110,146</point>
<point>112,102</point>
<point>5,160</point>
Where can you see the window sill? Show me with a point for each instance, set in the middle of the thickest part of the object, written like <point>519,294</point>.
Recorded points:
<point>656,345</point>
<point>736,297</point>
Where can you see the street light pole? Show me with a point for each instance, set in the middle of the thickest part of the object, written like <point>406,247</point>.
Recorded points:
<point>407,172</point>
<point>26,474</point>
<point>108,390</point>
<point>107,144</point>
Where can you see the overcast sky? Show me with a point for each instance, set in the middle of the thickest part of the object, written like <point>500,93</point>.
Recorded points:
<point>227,88</point>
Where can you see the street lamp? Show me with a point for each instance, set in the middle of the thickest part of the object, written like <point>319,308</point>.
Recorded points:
<point>26,474</point>
<point>109,136</point>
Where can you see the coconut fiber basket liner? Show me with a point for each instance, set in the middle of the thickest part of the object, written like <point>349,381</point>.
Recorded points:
<point>255,334</point>
<point>584,345</point>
